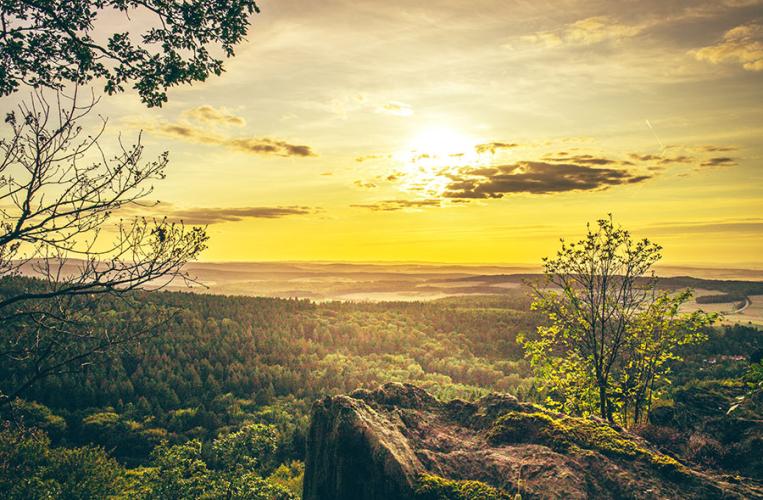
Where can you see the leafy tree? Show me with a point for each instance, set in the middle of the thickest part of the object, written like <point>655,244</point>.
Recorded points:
<point>31,468</point>
<point>289,475</point>
<point>610,332</point>
<point>177,472</point>
<point>652,347</point>
<point>49,43</point>
<point>35,415</point>
<point>58,192</point>
<point>240,455</point>
<point>180,471</point>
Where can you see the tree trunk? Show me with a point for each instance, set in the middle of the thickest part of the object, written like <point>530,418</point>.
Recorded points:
<point>603,401</point>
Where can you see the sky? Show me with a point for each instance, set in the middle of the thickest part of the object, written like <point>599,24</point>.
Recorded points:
<point>471,132</point>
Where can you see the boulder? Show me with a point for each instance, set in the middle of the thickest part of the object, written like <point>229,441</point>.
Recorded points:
<point>399,442</point>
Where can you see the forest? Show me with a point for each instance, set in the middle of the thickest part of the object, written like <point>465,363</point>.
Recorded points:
<point>165,409</point>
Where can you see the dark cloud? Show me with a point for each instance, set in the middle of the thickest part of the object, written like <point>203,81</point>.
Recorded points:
<point>203,215</point>
<point>535,177</point>
<point>392,205</point>
<point>585,159</point>
<point>251,145</point>
<point>662,160</point>
<point>492,147</point>
<point>718,149</point>
<point>269,146</point>
<point>719,161</point>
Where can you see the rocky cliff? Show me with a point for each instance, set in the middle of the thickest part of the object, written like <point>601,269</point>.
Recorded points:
<point>400,442</point>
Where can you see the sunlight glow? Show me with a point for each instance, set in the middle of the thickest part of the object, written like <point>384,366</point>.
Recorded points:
<point>432,155</point>
<point>442,141</point>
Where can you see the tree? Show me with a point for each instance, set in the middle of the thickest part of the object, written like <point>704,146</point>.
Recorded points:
<point>49,43</point>
<point>31,468</point>
<point>651,347</point>
<point>180,471</point>
<point>59,190</point>
<point>610,331</point>
<point>240,456</point>
<point>177,472</point>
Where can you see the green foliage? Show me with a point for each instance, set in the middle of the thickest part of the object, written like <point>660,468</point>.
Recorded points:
<point>245,449</point>
<point>127,438</point>
<point>753,378</point>
<point>219,362</point>
<point>224,363</point>
<point>431,487</point>
<point>176,472</point>
<point>610,334</point>
<point>31,468</point>
<point>290,476</point>
<point>652,347</point>
<point>52,43</point>
<point>181,471</point>
<point>35,415</point>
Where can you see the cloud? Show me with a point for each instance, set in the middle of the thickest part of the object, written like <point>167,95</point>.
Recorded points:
<point>204,216</point>
<point>492,147</point>
<point>718,149</point>
<point>699,156</point>
<point>751,226</point>
<point>743,45</point>
<point>364,184</point>
<point>269,146</point>
<point>662,160</point>
<point>535,177</point>
<point>211,215</point>
<point>719,161</point>
<point>361,159</point>
<point>251,145</point>
<point>395,108</point>
<point>393,205</point>
<point>583,159</point>
<point>210,115</point>
<point>587,31</point>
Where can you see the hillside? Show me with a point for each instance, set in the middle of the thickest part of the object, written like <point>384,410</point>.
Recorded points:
<point>214,364</point>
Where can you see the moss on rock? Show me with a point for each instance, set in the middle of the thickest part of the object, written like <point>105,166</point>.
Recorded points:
<point>432,487</point>
<point>570,433</point>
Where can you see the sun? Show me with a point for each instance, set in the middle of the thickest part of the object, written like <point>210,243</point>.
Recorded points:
<point>442,142</point>
<point>432,156</point>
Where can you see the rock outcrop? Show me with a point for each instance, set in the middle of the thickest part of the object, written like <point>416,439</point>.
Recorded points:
<point>399,442</point>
